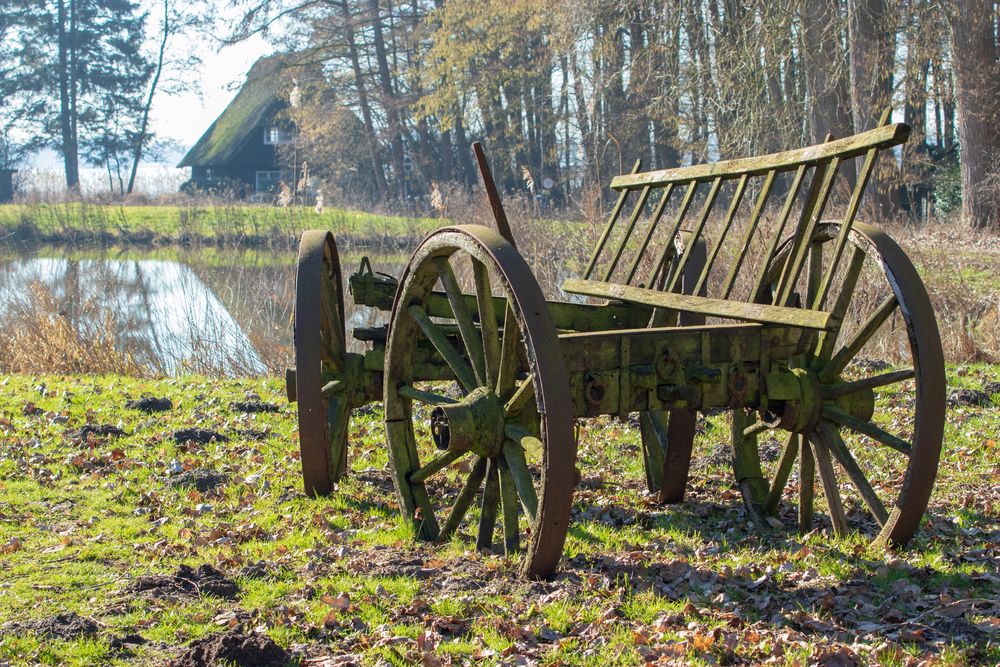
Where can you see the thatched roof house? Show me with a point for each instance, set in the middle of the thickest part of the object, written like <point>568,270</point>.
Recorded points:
<point>238,149</point>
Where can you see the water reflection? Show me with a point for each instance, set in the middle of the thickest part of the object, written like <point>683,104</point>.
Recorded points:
<point>218,312</point>
<point>213,311</point>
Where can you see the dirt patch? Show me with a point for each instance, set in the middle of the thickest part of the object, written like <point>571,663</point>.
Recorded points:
<point>150,404</point>
<point>205,580</point>
<point>200,435</point>
<point>992,387</point>
<point>102,430</point>
<point>60,626</point>
<point>252,433</point>
<point>871,365</point>
<point>253,406</point>
<point>259,570</point>
<point>202,479</point>
<point>233,648</point>
<point>970,397</point>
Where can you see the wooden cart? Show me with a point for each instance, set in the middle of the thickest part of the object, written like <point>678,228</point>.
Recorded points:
<point>720,286</point>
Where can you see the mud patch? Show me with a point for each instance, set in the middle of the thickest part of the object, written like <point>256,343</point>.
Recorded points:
<point>202,479</point>
<point>970,397</point>
<point>205,580</point>
<point>234,648</point>
<point>252,433</point>
<point>200,435</point>
<point>261,570</point>
<point>150,404</point>
<point>101,430</point>
<point>253,406</point>
<point>871,365</point>
<point>60,626</point>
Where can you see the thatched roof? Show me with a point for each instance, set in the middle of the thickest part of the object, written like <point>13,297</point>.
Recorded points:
<point>258,100</point>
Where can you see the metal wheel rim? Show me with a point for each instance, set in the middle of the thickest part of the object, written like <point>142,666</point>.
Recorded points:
<point>909,504</point>
<point>322,453</point>
<point>550,382</point>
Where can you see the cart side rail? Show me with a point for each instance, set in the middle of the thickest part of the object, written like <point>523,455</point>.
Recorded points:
<point>742,209</point>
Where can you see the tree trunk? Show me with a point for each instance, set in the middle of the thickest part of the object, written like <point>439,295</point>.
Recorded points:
<point>67,92</point>
<point>872,52</point>
<point>977,88</point>
<point>829,100</point>
<point>366,111</point>
<point>389,102</point>
<point>140,140</point>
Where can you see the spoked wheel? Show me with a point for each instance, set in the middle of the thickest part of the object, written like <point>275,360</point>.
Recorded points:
<point>872,421</point>
<point>320,363</point>
<point>477,404</point>
<point>668,435</point>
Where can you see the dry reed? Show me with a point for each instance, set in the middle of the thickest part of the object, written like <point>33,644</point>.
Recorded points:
<point>38,336</point>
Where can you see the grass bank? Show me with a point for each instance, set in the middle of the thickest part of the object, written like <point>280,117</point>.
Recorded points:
<point>100,505</point>
<point>197,222</point>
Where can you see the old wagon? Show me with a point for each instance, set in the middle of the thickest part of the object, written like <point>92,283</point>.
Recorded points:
<point>745,286</point>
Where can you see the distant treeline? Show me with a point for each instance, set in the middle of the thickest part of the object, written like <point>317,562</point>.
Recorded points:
<point>567,93</point>
<point>388,95</point>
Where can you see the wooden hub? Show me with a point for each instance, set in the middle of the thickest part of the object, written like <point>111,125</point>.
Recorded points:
<point>473,425</point>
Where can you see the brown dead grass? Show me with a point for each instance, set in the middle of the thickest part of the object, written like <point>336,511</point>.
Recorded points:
<point>40,335</point>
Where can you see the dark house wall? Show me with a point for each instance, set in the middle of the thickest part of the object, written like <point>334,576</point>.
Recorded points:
<point>253,157</point>
<point>6,185</point>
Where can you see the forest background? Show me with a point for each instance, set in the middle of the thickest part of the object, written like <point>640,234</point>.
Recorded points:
<point>388,95</point>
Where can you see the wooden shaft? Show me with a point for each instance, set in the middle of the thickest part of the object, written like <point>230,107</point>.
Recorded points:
<point>503,226</point>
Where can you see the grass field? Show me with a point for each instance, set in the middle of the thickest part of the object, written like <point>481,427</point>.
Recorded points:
<point>100,506</point>
<point>200,221</point>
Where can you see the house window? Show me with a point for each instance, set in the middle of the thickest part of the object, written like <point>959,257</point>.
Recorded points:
<point>268,181</point>
<point>275,135</point>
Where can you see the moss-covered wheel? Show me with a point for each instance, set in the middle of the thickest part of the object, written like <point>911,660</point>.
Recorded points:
<point>320,377</point>
<point>871,421</point>
<point>477,405</point>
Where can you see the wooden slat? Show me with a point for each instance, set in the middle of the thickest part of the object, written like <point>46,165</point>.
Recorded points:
<point>778,233</point>
<point>653,224</point>
<point>691,241</point>
<point>846,148</point>
<point>615,212</point>
<point>730,217</point>
<point>852,211</point>
<point>744,247</point>
<point>753,312</point>
<point>803,235</point>
<point>668,241</point>
<point>633,219</point>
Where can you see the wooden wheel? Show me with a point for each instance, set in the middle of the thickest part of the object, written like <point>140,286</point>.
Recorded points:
<point>477,405</point>
<point>668,435</point>
<point>873,432</point>
<point>320,363</point>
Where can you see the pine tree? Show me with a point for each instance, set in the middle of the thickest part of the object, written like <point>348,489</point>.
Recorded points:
<point>78,78</point>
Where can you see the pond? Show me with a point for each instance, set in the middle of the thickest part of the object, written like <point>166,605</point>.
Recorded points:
<point>214,311</point>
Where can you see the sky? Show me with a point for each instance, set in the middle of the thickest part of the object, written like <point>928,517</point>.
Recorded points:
<point>185,117</point>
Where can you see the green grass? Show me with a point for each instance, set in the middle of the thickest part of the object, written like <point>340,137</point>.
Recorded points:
<point>209,221</point>
<point>691,583</point>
